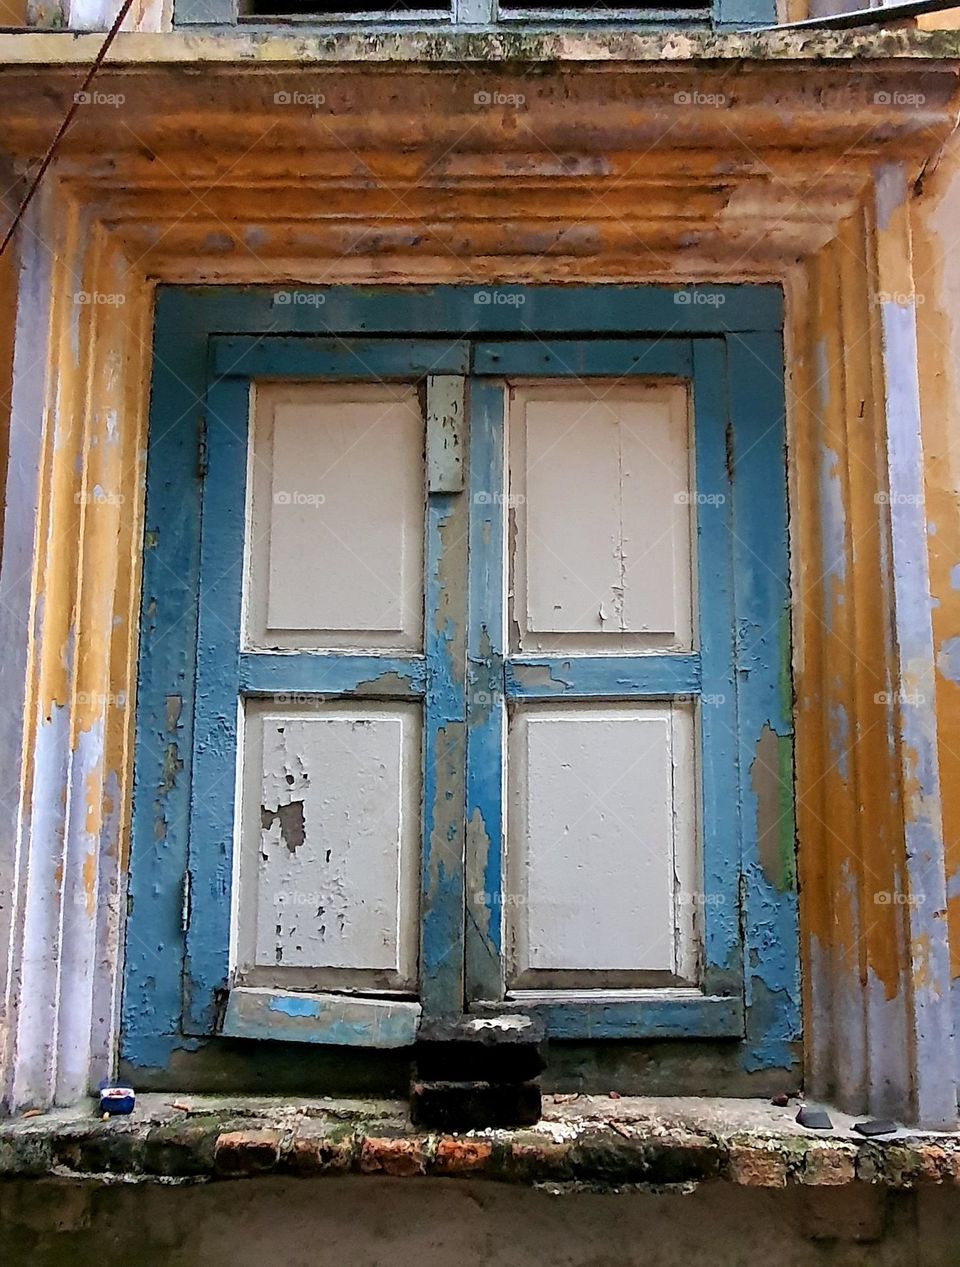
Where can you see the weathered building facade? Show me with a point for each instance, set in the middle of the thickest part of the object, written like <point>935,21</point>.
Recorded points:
<point>482,538</point>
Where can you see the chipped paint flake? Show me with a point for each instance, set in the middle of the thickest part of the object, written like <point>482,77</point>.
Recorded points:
<point>948,659</point>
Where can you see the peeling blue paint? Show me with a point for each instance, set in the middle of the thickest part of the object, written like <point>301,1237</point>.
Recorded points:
<point>696,1017</point>
<point>336,1020</point>
<point>302,1005</point>
<point>152,1001</point>
<point>444,759</point>
<point>716,443</point>
<point>709,671</point>
<point>771,926</point>
<point>485,696</point>
<point>214,758</point>
<point>594,677</point>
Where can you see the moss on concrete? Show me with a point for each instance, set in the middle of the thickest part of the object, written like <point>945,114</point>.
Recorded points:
<point>584,1143</point>
<point>499,47</point>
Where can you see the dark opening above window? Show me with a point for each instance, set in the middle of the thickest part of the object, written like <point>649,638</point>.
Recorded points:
<point>599,10</point>
<point>384,10</point>
<point>333,8</point>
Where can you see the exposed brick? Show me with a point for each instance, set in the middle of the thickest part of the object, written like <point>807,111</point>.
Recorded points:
<point>870,1164</point>
<point>104,1148</point>
<point>399,1157</point>
<point>455,1156</point>
<point>535,1160</point>
<point>319,1154</point>
<point>829,1166</point>
<point>906,1165</point>
<point>247,1152</point>
<point>934,1163</point>
<point>180,1148</point>
<point>757,1167</point>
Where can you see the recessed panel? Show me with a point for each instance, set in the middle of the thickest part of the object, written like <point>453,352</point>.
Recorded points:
<point>335,547</point>
<point>601,499</point>
<point>601,844</point>
<point>330,846</point>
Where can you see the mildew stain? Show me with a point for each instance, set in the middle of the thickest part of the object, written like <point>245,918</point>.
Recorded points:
<point>770,780</point>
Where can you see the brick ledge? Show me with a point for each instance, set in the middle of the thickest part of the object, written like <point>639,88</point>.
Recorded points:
<point>583,1143</point>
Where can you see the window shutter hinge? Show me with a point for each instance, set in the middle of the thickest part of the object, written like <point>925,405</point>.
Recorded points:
<point>185,904</point>
<point>446,403</point>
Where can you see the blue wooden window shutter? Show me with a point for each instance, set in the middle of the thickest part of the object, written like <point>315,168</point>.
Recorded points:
<point>210,346</point>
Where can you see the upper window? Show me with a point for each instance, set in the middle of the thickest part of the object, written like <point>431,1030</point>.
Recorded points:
<point>525,10</point>
<point>472,14</point>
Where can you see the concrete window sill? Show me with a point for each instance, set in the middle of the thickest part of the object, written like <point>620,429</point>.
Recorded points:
<point>317,47</point>
<point>583,1143</point>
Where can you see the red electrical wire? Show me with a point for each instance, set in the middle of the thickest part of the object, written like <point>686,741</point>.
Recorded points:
<point>68,119</point>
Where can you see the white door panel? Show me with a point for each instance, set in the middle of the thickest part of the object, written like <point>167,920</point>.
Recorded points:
<point>335,541</point>
<point>601,841</point>
<point>600,496</point>
<point>329,858</point>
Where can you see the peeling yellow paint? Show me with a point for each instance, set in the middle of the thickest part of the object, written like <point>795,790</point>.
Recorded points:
<point>849,813</point>
<point>93,799</point>
<point>922,977</point>
<point>90,881</point>
<point>934,227</point>
<point>722,212</point>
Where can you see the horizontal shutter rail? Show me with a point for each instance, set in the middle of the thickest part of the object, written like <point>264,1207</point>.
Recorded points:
<point>602,676</point>
<point>286,673</point>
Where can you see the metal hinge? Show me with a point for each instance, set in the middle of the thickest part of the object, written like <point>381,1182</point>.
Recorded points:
<point>185,903</point>
<point>446,404</point>
<point>202,448</point>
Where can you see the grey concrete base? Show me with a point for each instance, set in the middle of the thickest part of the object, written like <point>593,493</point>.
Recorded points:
<point>369,1222</point>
